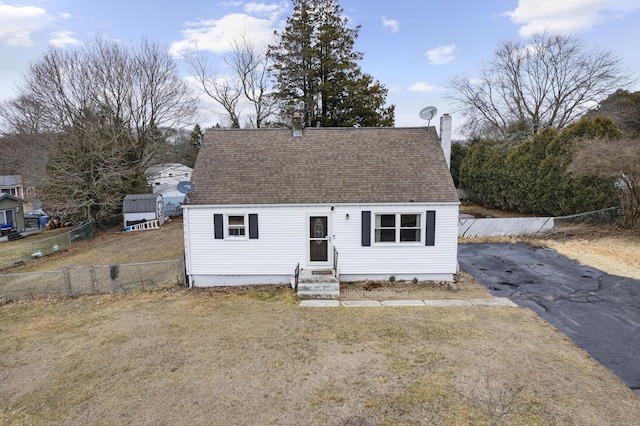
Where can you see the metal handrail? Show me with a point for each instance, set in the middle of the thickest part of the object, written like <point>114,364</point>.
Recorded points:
<point>296,275</point>
<point>335,262</point>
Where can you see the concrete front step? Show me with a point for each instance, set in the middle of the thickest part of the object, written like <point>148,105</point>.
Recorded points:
<point>324,290</point>
<point>317,294</point>
<point>324,286</point>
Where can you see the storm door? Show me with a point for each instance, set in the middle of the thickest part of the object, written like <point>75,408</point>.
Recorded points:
<point>318,238</point>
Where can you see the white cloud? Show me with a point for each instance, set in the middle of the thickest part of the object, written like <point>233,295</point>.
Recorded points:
<point>262,9</point>
<point>566,16</point>
<point>63,38</point>
<point>422,87</point>
<point>218,35</point>
<point>18,23</point>
<point>441,54</point>
<point>391,23</point>
<point>231,3</point>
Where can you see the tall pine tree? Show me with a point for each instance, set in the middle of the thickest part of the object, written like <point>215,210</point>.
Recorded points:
<point>316,67</point>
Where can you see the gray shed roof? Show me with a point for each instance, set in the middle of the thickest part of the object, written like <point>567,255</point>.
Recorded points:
<point>139,203</point>
<point>325,165</point>
<point>12,198</point>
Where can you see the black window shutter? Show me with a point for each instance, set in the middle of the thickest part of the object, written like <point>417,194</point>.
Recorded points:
<point>253,226</point>
<point>366,228</point>
<point>218,226</point>
<point>431,228</point>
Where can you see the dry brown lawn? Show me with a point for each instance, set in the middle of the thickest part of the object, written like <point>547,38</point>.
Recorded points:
<point>252,356</point>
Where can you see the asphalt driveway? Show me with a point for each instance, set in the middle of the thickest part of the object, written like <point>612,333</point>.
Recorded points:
<point>598,311</point>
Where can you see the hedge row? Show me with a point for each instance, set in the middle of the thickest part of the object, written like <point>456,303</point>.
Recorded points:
<point>532,177</point>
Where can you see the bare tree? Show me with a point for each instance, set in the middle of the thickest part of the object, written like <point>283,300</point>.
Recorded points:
<point>251,64</point>
<point>22,115</point>
<point>248,82</point>
<point>224,90</point>
<point>26,140</point>
<point>133,91</point>
<point>548,82</point>
<point>617,159</point>
<point>87,170</point>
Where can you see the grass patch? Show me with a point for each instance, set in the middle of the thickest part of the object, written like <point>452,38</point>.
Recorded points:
<point>425,390</point>
<point>246,359</point>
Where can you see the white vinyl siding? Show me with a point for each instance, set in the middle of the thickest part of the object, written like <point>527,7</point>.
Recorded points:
<point>281,245</point>
<point>396,259</point>
<point>284,238</point>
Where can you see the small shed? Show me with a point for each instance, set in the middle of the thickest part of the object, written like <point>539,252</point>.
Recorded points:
<point>11,212</point>
<point>142,212</point>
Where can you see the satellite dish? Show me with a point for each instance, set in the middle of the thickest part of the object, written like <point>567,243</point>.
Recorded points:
<point>186,187</point>
<point>428,113</point>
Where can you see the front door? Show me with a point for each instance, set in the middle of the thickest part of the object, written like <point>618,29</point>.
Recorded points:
<point>10,218</point>
<point>319,239</point>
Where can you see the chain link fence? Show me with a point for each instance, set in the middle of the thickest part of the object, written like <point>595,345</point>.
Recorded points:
<point>598,217</point>
<point>28,251</point>
<point>83,280</point>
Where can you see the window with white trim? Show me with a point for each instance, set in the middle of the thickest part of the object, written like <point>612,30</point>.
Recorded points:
<point>398,227</point>
<point>236,226</point>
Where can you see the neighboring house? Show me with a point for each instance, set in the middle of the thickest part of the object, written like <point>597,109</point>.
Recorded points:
<point>12,185</point>
<point>142,212</point>
<point>267,200</point>
<point>164,179</point>
<point>11,213</point>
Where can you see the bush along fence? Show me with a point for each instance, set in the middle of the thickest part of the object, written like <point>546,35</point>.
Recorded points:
<point>86,280</point>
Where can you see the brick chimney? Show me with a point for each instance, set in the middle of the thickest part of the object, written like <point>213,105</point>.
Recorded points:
<point>297,125</point>
<point>445,137</point>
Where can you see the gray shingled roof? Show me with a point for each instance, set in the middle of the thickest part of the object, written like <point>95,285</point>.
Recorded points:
<point>325,165</point>
<point>139,203</point>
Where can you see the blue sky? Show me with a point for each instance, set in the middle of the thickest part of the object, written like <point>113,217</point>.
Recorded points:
<point>412,47</point>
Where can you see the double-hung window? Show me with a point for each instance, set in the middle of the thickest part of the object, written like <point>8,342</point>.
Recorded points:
<point>398,228</point>
<point>236,226</point>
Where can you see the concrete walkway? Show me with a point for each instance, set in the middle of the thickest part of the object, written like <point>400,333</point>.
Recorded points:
<point>491,301</point>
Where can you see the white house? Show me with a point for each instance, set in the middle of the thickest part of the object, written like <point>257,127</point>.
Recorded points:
<point>142,212</point>
<point>164,179</point>
<point>367,202</point>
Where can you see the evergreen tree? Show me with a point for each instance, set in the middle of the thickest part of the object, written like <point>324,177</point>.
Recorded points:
<point>315,66</point>
<point>623,107</point>
<point>191,151</point>
<point>533,176</point>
